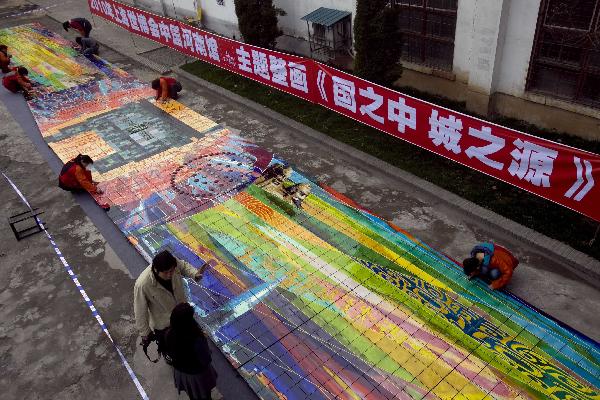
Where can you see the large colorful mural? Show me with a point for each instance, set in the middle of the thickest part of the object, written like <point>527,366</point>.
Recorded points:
<point>312,296</point>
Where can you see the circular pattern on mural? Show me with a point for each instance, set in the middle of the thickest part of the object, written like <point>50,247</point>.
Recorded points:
<point>210,175</point>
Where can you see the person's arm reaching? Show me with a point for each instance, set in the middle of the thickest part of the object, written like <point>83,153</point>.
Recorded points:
<point>24,82</point>
<point>84,182</point>
<point>189,271</point>
<point>164,89</point>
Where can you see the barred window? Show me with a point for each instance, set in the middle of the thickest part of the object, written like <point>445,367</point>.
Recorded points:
<point>429,27</point>
<point>565,61</point>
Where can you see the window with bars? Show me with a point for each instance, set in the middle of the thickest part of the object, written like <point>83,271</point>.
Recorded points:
<point>565,61</point>
<point>429,27</point>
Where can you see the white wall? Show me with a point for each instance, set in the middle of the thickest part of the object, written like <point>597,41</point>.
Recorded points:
<point>292,25</point>
<point>493,44</point>
<point>463,39</point>
<point>172,8</point>
<point>518,44</point>
<point>220,19</point>
<point>223,20</point>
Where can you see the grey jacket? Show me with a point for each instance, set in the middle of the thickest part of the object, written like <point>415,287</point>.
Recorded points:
<point>152,303</point>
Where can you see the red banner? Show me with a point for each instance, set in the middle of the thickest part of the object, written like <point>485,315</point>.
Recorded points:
<point>559,173</point>
<point>282,71</point>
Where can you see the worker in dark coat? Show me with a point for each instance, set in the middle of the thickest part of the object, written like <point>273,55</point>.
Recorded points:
<point>81,25</point>
<point>188,349</point>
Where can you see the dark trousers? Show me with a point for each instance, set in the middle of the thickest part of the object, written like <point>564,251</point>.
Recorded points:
<point>162,344</point>
<point>174,90</point>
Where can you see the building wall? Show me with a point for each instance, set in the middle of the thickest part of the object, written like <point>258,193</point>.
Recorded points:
<point>171,8</point>
<point>292,25</point>
<point>492,49</point>
<point>463,40</point>
<point>220,18</point>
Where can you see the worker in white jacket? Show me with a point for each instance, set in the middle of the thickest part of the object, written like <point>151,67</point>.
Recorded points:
<point>157,291</point>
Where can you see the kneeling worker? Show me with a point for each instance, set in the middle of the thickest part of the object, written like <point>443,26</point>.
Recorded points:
<point>492,263</point>
<point>166,88</point>
<point>76,176</point>
<point>17,81</point>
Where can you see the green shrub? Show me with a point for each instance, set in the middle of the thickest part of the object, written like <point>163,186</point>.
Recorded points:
<point>257,21</point>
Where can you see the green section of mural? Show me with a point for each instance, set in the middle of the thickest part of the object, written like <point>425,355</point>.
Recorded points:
<point>309,244</point>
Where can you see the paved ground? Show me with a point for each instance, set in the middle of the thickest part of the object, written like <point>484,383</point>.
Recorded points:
<point>49,345</point>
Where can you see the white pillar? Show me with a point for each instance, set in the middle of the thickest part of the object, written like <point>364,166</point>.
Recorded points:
<point>489,28</point>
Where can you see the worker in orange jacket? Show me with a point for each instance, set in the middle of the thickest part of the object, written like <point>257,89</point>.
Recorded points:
<point>492,263</point>
<point>76,176</point>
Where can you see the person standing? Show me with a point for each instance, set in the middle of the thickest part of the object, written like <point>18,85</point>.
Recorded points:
<point>166,88</point>
<point>492,263</point>
<point>158,289</point>
<point>88,45</point>
<point>4,59</point>
<point>81,25</point>
<point>76,176</point>
<point>187,346</point>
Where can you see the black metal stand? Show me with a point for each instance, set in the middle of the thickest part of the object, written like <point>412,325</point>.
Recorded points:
<point>24,216</point>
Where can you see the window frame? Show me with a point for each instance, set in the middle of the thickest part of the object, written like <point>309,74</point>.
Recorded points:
<point>425,37</point>
<point>583,69</point>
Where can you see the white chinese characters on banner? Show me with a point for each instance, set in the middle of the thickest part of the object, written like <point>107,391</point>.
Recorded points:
<point>532,162</point>
<point>143,24</point>
<point>165,32</point>
<point>176,35</point>
<point>344,93</point>
<point>260,64</point>
<point>244,61</point>
<point>496,143</point>
<point>298,79</point>
<point>133,21</point>
<point>154,29</point>
<point>213,48</point>
<point>403,114</point>
<point>584,176</point>
<point>445,131</point>
<point>188,41</point>
<point>107,10</point>
<point>122,16</point>
<point>199,44</point>
<point>375,105</point>
<point>279,72</point>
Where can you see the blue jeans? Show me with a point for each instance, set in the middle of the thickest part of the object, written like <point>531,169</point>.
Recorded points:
<point>489,274</point>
